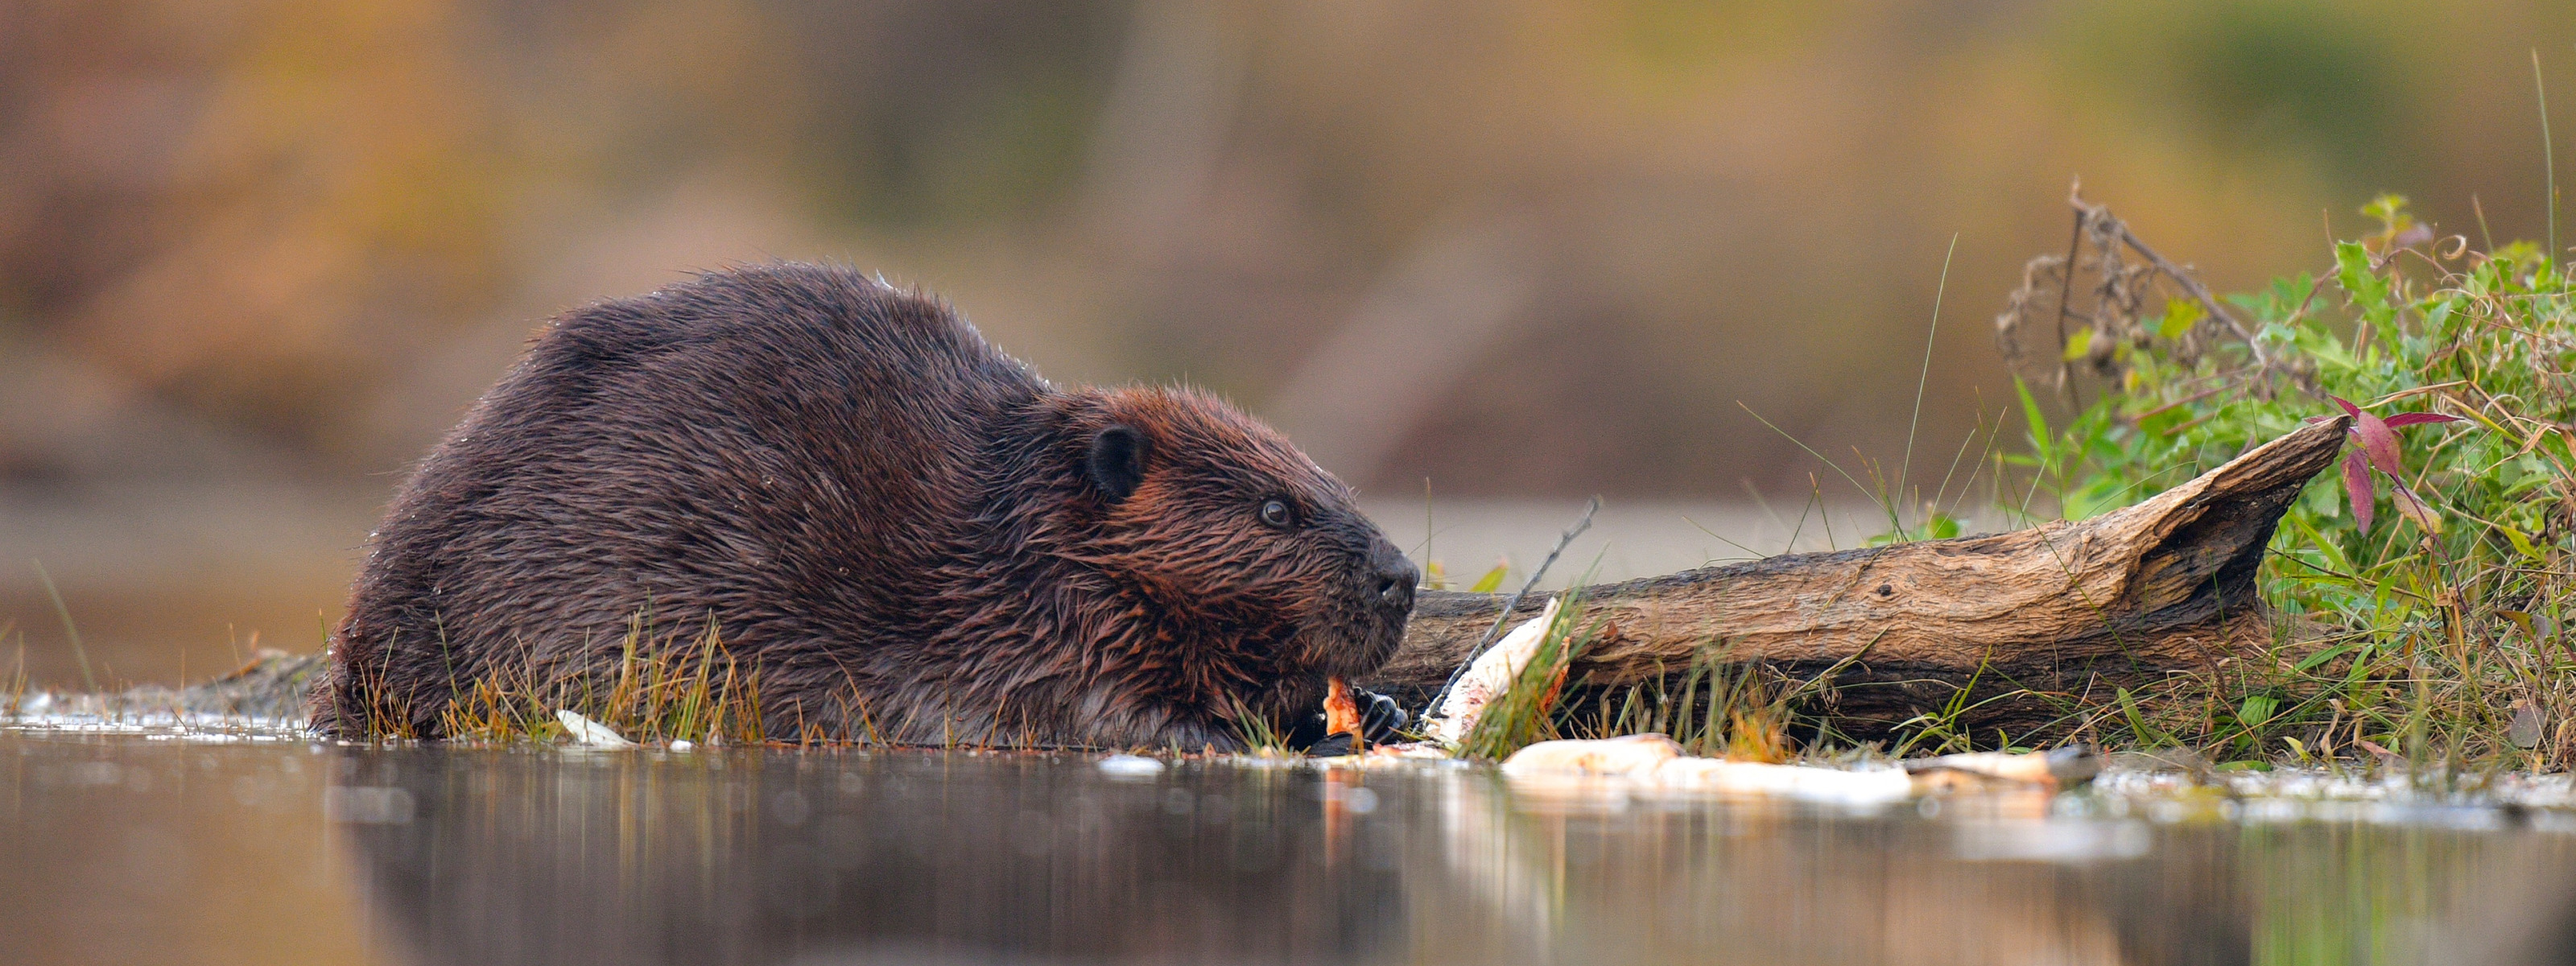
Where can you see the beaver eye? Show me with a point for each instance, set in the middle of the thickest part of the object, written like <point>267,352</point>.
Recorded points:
<point>1277,514</point>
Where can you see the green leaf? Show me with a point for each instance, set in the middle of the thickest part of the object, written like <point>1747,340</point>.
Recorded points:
<point>2313,661</point>
<point>2164,423</point>
<point>2039,437</point>
<point>2441,313</point>
<point>2352,269</point>
<point>2180,316</point>
<point>2521,542</point>
<point>2326,350</point>
<point>2332,551</point>
<point>2257,709</point>
<point>2521,619</point>
<point>2079,344</point>
<point>2138,722</point>
<point>1492,580</point>
<point>2390,211</point>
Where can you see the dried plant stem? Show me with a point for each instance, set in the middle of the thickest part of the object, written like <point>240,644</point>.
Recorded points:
<point>2092,214</point>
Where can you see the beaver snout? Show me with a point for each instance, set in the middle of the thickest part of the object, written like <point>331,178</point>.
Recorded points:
<point>1395,577</point>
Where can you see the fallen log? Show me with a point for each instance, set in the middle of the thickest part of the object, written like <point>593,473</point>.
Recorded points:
<point>2028,618</point>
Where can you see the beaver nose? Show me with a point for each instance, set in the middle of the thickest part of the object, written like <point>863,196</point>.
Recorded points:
<point>1396,578</point>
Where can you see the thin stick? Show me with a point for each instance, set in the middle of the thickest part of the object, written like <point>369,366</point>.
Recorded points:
<point>2190,286</point>
<point>2066,279</point>
<point>1590,507</point>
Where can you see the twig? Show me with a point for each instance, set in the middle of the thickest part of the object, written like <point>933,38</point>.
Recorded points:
<point>2190,286</point>
<point>2066,280</point>
<point>1562,541</point>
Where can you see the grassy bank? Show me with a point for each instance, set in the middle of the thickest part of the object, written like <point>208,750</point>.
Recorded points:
<point>2430,581</point>
<point>2423,592</point>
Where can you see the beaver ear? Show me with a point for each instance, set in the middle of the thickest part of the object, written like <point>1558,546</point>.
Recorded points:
<point>1117,461</point>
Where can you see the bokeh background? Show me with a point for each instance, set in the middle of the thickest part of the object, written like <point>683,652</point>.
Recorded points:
<point>256,256</point>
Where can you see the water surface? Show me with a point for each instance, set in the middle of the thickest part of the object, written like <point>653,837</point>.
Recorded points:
<point>164,845</point>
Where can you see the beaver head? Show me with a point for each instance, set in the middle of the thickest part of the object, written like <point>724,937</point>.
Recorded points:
<point>1256,565</point>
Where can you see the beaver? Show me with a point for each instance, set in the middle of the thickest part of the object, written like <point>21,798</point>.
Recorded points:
<point>906,535</point>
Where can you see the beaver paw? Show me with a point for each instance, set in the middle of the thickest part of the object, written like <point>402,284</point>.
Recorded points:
<point>1381,719</point>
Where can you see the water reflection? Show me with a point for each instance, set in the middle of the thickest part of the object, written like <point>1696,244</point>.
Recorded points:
<point>514,857</point>
<point>132,848</point>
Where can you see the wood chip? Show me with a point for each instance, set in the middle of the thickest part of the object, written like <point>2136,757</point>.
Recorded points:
<point>1341,713</point>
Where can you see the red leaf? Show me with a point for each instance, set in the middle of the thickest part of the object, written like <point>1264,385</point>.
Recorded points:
<point>2379,441</point>
<point>2410,419</point>
<point>2348,408</point>
<point>2356,484</point>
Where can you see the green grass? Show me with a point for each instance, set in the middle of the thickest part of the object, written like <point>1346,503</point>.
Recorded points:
<point>1714,709</point>
<point>1260,737</point>
<point>1527,712</point>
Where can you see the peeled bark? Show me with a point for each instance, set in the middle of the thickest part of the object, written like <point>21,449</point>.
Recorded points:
<point>2056,610</point>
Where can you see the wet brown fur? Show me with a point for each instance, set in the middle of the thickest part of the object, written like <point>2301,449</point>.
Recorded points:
<point>900,528</point>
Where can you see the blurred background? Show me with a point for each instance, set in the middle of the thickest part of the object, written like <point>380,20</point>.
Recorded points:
<point>1480,259</point>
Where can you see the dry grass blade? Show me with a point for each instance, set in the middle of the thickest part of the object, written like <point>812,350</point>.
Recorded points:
<point>661,689</point>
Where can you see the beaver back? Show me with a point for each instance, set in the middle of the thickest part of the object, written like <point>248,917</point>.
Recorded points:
<point>906,532</point>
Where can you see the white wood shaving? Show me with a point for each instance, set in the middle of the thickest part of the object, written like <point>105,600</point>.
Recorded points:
<point>1492,674</point>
